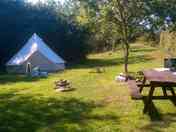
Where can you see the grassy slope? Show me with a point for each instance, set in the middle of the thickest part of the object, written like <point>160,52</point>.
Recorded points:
<point>99,104</point>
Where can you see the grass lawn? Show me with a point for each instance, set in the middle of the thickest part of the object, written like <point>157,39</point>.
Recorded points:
<point>98,103</point>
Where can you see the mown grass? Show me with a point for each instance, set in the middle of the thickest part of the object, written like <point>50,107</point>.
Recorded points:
<point>98,103</point>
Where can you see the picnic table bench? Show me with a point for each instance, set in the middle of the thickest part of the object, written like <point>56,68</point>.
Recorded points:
<point>153,79</point>
<point>134,89</point>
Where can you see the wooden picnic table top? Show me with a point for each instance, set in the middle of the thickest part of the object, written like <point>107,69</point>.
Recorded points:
<point>153,75</point>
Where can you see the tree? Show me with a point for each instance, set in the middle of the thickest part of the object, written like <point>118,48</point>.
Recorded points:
<point>19,20</point>
<point>160,15</point>
<point>112,21</point>
<point>126,15</point>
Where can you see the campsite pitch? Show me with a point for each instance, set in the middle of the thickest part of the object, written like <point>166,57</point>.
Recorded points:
<point>98,103</point>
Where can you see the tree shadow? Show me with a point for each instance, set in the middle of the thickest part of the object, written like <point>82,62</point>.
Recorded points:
<point>173,100</point>
<point>33,112</point>
<point>92,63</point>
<point>156,126</point>
<point>158,120</point>
<point>9,78</point>
<point>143,50</point>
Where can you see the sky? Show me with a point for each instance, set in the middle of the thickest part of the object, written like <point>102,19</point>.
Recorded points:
<point>35,1</point>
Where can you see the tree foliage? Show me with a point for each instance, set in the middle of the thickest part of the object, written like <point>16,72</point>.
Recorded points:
<point>126,15</point>
<point>20,20</point>
<point>120,21</point>
<point>79,26</point>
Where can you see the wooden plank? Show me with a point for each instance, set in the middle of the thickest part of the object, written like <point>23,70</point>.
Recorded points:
<point>156,76</point>
<point>134,89</point>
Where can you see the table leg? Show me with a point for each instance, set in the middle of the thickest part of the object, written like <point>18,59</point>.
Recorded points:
<point>172,91</point>
<point>143,82</point>
<point>148,104</point>
<point>164,91</point>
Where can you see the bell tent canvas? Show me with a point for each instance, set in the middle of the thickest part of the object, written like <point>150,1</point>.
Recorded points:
<point>36,53</point>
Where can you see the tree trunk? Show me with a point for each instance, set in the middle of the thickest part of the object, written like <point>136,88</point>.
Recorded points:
<point>126,49</point>
<point>126,55</point>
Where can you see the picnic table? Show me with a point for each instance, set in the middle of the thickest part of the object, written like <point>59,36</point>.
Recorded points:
<point>165,80</point>
<point>152,79</point>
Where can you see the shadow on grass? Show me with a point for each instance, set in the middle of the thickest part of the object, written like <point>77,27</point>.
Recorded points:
<point>93,63</point>
<point>173,100</point>
<point>158,120</point>
<point>158,126</point>
<point>143,50</point>
<point>21,113</point>
<point>154,113</point>
<point>9,78</point>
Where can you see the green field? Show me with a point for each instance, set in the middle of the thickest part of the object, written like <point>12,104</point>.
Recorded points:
<point>98,103</point>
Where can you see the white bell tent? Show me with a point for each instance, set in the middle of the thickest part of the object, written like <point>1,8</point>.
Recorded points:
<point>38,54</point>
